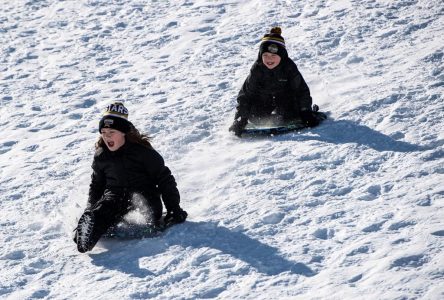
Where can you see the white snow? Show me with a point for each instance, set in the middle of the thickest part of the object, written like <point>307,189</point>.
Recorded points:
<point>352,209</point>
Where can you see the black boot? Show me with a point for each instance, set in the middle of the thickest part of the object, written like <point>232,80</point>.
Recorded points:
<point>85,232</point>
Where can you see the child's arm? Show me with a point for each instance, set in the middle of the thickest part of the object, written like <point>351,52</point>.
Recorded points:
<point>300,89</point>
<point>164,180</point>
<point>97,185</point>
<point>168,188</point>
<point>243,102</point>
<point>248,91</point>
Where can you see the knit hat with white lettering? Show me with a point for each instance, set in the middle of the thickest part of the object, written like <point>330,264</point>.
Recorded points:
<point>115,117</point>
<point>273,42</point>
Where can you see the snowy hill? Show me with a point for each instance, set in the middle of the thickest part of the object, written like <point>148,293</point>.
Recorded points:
<point>352,209</point>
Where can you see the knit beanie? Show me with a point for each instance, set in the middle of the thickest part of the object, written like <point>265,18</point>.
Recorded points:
<point>273,42</point>
<point>115,117</point>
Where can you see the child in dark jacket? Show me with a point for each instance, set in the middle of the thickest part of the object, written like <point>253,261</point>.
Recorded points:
<point>273,85</point>
<point>125,164</point>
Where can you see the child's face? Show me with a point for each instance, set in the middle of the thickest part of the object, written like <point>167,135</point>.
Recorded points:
<point>113,138</point>
<point>270,60</point>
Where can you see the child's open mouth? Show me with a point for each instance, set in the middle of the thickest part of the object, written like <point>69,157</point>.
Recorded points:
<point>110,144</point>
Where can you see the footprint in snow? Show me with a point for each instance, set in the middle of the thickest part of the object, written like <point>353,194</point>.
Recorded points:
<point>374,227</point>
<point>44,126</point>
<point>373,192</point>
<point>5,147</point>
<point>86,103</point>
<point>402,224</point>
<point>317,259</point>
<point>309,157</point>
<point>413,261</point>
<point>40,294</point>
<point>162,100</point>
<point>438,233</point>
<point>15,196</point>
<point>287,176</point>
<point>37,266</point>
<point>273,218</point>
<point>14,255</point>
<point>120,25</point>
<point>353,59</point>
<point>400,241</point>
<point>171,24</point>
<point>324,233</point>
<point>432,155</point>
<point>89,94</point>
<point>31,148</point>
<point>6,98</point>
<point>314,203</point>
<point>361,250</point>
<point>333,216</point>
<point>75,116</point>
<point>203,29</point>
<point>355,278</point>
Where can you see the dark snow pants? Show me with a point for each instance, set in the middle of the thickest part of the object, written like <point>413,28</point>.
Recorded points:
<point>113,206</point>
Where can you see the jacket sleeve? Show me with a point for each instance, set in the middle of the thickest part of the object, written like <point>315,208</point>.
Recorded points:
<point>97,185</point>
<point>300,89</point>
<point>164,180</point>
<point>247,94</point>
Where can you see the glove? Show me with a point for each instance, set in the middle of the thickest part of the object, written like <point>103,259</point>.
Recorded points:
<point>315,108</point>
<point>238,126</point>
<point>175,216</point>
<point>309,119</point>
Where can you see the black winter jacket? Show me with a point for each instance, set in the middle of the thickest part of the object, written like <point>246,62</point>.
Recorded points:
<point>282,88</point>
<point>133,168</point>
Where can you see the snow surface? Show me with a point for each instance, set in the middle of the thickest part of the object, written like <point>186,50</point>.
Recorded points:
<point>352,209</point>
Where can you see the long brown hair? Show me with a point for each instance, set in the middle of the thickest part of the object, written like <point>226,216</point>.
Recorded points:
<point>133,136</point>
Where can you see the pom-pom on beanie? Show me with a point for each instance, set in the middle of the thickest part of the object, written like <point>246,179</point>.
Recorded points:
<point>273,42</point>
<point>115,117</point>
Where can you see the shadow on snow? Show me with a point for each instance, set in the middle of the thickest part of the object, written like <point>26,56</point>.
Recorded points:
<point>343,132</point>
<point>262,257</point>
